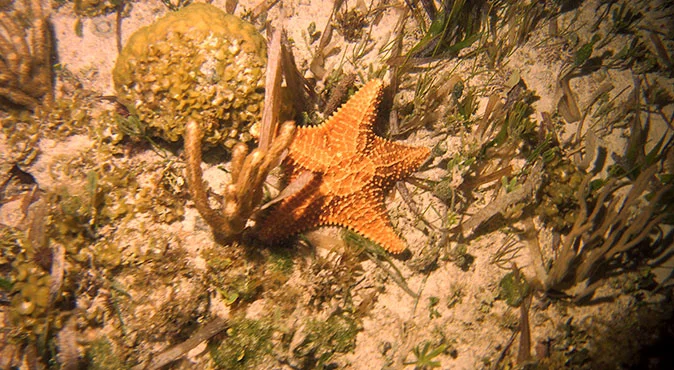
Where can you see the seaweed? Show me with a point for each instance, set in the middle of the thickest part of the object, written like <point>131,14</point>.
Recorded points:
<point>452,28</point>
<point>246,345</point>
<point>425,355</point>
<point>606,233</point>
<point>324,338</point>
<point>101,355</point>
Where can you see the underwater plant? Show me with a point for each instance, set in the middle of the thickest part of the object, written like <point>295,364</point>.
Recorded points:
<point>453,27</point>
<point>246,345</point>
<point>425,356</point>
<point>325,338</point>
<point>604,233</point>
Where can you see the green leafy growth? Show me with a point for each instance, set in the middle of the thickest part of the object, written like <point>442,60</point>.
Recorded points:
<point>246,346</point>
<point>361,243</point>
<point>636,159</point>
<point>467,106</point>
<point>585,52</point>
<point>432,307</point>
<point>130,125</point>
<point>518,124</point>
<point>425,356</point>
<point>452,29</point>
<point>337,334</point>
<point>241,288</point>
<point>514,288</point>
<point>460,256</point>
<point>5,284</point>
<point>281,261</point>
<point>100,355</point>
<point>624,19</point>
<point>96,8</point>
<point>174,6</point>
<point>558,205</point>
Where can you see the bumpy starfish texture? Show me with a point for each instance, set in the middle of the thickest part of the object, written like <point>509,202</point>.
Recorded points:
<point>352,171</point>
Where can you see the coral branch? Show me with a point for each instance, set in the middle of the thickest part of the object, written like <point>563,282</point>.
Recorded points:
<point>195,181</point>
<point>243,195</point>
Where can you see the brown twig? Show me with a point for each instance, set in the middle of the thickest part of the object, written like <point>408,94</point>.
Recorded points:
<point>524,351</point>
<point>499,205</point>
<point>272,96</point>
<point>206,332</point>
<point>262,8</point>
<point>414,207</point>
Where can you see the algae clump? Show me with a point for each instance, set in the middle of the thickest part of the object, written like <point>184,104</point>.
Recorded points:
<point>514,288</point>
<point>246,346</point>
<point>199,63</point>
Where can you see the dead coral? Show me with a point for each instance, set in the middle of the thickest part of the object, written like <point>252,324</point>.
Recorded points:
<point>242,197</point>
<point>244,194</point>
<point>25,58</point>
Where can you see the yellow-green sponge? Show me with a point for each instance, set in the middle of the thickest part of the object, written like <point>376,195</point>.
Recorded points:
<point>198,63</point>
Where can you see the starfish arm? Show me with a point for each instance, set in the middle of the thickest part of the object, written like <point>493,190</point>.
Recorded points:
<point>360,109</point>
<point>297,213</point>
<point>394,161</point>
<point>364,213</point>
<point>309,149</point>
<point>315,146</point>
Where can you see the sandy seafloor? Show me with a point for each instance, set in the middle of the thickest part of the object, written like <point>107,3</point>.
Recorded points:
<point>166,266</point>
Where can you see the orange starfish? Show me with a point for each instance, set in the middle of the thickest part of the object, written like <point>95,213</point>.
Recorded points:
<point>352,171</point>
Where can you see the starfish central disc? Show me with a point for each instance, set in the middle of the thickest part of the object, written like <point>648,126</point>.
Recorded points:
<point>352,171</point>
<point>361,173</point>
